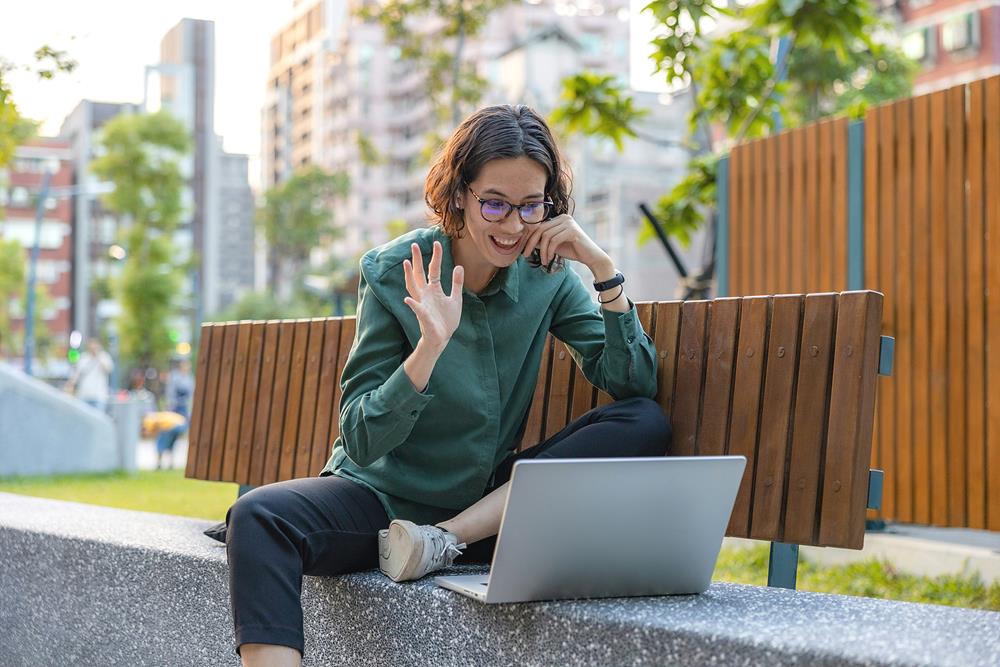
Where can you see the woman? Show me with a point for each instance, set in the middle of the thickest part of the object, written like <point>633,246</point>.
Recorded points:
<point>438,384</point>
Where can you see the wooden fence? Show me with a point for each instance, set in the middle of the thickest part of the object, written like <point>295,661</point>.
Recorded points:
<point>910,208</point>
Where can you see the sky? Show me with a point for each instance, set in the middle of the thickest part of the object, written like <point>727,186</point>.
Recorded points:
<point>112,42</point>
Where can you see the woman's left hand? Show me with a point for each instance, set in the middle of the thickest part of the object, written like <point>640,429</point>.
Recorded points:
<point>563,236</point>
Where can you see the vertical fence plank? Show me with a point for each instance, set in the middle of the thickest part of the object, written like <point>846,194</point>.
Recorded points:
<point>775,420</point>
<point>326,420</point>
<point>799,218</point>
<point>290,441</point>
<point>690,374</point>
<point>920,347</point>
<point>783,247</point>
<point>757,235</point>
<point>902,289</point>
<point>279,400</point>
<point>956,262</point>
<point>809,427</point>
<point>838,227</point>
<point>769,258</point>
<point>886,259</point>
<point>992,188</point>
<point>824,226</point>
<point>714,420</point>
<point>348,329</point>
<point>814,247</point>
<point>975,290</point>
<point>746,404</point>
<point>938,304</point>
<point>248,415</point>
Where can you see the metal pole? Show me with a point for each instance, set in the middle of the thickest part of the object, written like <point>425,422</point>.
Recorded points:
<point>29,311</point>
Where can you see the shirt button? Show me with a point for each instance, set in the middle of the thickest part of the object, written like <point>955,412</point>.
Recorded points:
<point>631,339</point>
<point>413,413</point>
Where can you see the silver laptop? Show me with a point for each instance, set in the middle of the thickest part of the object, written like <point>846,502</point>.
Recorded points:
<point>593,528</point>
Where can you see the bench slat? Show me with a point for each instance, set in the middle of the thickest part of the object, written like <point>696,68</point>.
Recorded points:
<point>279,399</point>
<point>199,401</point>
<point>325,394</point>
<point>809,428</point>
<point>348,329</point>
<point>714,421</point>
<point>295,399</point>
<point>310,386</point>
<point>855,364</point>
<point>557,411</point>
<point>229,333</point>
<point>251,406</point>
<point>746,404</point>
<point>211,411</point>
<point>665,337</point>
<point>534,430</point>
<point>690,372</point>
<point>231,443</point>
<point>775,419</point>
<point>266,406</point>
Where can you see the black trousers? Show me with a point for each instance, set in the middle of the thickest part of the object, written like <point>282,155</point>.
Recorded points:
<point>324,526</point>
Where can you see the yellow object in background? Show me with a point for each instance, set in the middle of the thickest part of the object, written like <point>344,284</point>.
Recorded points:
<point>154,422</point>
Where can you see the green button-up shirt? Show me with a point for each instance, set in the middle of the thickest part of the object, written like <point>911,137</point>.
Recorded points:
<point>429,455</point>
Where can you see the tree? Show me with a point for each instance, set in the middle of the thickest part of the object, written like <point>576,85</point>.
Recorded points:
<point>141,155</point>
<point>452,84</point>
<point>295,217</point>
<point>15,129</point>
<point>830,63</point>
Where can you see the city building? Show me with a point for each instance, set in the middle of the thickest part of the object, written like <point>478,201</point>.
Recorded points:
<point>95,229</point>
<point>218,229</point>
<point>327,58</point>
<point>20,185</point>
<point>955,41</point>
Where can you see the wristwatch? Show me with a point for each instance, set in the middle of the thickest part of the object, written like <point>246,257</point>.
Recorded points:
<point>610,282</point>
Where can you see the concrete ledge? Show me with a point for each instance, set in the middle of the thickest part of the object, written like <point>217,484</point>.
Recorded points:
<point>85,585</point>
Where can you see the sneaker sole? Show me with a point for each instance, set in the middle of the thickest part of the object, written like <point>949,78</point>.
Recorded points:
<point>398,542</point>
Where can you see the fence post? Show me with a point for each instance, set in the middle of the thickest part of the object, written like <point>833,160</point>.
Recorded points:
<point>856,205</point>
<point>722,228</point>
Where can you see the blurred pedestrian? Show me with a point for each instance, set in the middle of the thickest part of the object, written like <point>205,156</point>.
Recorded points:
<point>180,388</point>
<point>89,382</point>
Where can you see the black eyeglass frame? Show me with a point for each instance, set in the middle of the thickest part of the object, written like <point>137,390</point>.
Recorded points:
<point>482,202</point>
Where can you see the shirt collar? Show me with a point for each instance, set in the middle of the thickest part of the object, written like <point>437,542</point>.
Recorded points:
<point>506,280</point>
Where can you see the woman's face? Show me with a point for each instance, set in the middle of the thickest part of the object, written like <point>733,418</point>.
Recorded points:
<point>517,181</point>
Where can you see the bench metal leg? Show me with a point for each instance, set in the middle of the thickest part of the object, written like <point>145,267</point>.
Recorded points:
<point>783,565</point>
<point>245,488</point>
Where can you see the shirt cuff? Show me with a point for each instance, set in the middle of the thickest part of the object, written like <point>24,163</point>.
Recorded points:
<point>400,397</point>
<point>622,329</point>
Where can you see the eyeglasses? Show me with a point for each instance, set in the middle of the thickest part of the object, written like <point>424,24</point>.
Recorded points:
<point>497,210</point>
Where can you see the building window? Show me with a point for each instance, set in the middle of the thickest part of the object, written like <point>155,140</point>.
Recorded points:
<point>961,33</point>
<point>920,45</point>
<point>19,196</point>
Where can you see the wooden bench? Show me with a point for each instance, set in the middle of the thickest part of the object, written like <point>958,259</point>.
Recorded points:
<point>787,381</point>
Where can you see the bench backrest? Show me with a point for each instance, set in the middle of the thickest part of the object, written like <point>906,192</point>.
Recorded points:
<point>787,381</point>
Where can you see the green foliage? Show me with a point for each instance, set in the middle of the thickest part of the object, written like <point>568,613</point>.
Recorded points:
<point>596,104</point>
<point>869,578</point>
<point>141,155</point>
<point>834,65</point>
<point>680,210</point>
<point>452,84</point>
<point>296,215</point>
<point>264,306</point>
<point>367,151</point>
<point>12,281</point>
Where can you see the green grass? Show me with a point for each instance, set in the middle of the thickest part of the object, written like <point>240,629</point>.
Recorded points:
<point>169,492</point>
<point>163,491</point>
<point>870,578</point>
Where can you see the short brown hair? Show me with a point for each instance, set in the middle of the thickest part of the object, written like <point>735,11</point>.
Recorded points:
<point>496,132</point>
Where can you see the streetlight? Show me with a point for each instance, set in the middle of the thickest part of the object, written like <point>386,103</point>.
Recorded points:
<point>44,194</point>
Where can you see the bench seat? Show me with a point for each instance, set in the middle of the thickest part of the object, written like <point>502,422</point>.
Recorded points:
<point>83,584</point>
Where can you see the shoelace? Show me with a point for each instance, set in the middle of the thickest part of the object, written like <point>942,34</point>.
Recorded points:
<point>448,549</point>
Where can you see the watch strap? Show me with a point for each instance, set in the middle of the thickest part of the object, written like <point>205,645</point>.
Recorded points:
<point>610,282</point>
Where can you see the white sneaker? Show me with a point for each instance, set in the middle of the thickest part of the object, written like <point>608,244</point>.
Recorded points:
<point>407,551</point>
